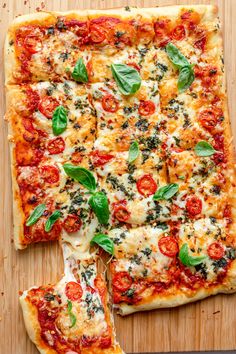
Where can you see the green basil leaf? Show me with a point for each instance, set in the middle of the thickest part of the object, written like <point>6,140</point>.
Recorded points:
<point>186,78</point>
<point>176,57</point>
<point>72,316</point>
<point>80,72</point>
<point>133,152</point>
<point>59,120</point>
<point>35,215</point>
<point>81,175</point>
<point>127,78</point>
<point>104,242</point>
<point>204,149</point>
<point>166,192</point>
<point>99,204</point>
<point>52,219</point>
<point>187,259</point>
<point>69,305</point>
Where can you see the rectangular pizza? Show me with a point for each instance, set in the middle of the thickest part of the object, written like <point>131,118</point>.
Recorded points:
<point>120,144</point>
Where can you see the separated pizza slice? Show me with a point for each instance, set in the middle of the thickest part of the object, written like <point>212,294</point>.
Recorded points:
<point>51,125</point>
<point>72,316</point>
<point>155,267</point>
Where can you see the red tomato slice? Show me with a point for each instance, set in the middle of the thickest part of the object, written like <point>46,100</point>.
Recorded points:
<point>48,105</point>
<point>97,35</point>
<point>30,133</point>
<point>201,39</point>
<point>32,43</point>
<point>72,223</point>
<point>208,119</point>
<point>146,185</point>
<point>168,246</point>
<point>146,108</point>
<point>56,146</point>
<point>110,103</point>
<point>122,281</point>
<point>76,157</point>
<point>50,174</point>
<point>194,206</point>
<point>73,291</point>
<point>121,213</point>
<point>100,158</point>
<point>178,33</point>
<point>216,251</point>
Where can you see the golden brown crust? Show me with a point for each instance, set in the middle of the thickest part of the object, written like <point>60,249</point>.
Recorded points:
<point>18,215</point>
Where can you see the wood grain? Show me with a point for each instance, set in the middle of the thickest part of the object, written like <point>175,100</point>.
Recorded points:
<point>206,325</point>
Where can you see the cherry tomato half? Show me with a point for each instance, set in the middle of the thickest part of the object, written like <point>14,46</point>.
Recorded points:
<point>48,105</point>
<point>100,158</point>
<point>208,119</point>
<point>168,246</point>
<point>146,108</point>
<point>32,43</point>
<point>216,251</point>
<point>194,206</point>
<point>72,223</point>
<point>110,103</point>
<point>146,185</point>
<point>56,146</point>
<point>97,34</point>
<point>122,281</point>
<point>73,291</point>
<point>121,213</point>
<point>178,33</point>
<point>50,173</point>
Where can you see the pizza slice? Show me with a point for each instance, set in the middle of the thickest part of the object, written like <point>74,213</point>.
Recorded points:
<point>50,125</point>
<point>130,188</point>
<point>72,316</point>
<point>154,267</point>
<point>122,119</point>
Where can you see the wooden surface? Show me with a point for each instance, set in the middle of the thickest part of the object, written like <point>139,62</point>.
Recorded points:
<point>205,325</point>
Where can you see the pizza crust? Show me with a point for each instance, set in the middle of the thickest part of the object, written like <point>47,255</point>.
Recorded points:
<point>229,287</point>
<point>18,215</point>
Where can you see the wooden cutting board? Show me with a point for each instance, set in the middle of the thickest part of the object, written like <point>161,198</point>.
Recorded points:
<point>206,325</point>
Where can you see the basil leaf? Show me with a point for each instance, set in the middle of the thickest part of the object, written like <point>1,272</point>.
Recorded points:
<point>187,259</point>
<point>35,215</point>
<point>186,78</point>
<point>176,57</point>
<point>99,204</point>
<point>133,152</point>
<point>127,78</point>
<point>81,175</point>
<point>59,120</point>
<point>166,192</point>
<point>52,219</point>
<point>204,149</point>
<point>72,316</point>
<point>80,72</point>
<point>104,242</point>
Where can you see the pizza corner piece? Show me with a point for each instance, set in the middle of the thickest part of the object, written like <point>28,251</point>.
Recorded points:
<point>72,316</point>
